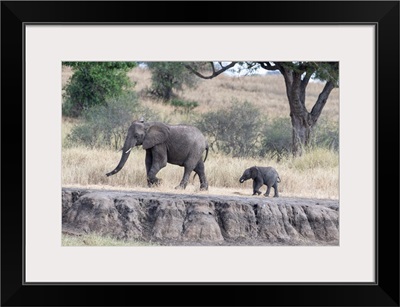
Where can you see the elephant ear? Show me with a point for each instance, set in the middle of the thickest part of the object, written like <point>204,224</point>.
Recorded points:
<point>254,172</point>
<point>156,134</point>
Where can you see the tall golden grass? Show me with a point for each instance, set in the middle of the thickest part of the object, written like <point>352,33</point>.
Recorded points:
<point>315,174</point>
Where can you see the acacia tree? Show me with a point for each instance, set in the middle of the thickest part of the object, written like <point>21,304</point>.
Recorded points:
<point>167,76</point>
<point>297,75</point>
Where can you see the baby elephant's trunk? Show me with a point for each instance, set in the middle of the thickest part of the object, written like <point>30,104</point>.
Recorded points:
<point>245,176</point>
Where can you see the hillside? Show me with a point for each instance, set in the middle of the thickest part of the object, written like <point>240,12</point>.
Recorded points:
<point>266,92</point>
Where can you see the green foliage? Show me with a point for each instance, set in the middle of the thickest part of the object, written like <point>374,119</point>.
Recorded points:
<point>106,125</point>
<point>327,71</point>
<point>93,83</point>
<point>326,135</point>
<point>183,106</point>
<point>234,131</point>
<point>169,76</point>
<point>276,139</point>
<point>324,71</point>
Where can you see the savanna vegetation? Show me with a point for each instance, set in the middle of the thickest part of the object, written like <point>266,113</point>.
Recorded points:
<point>245,118</point>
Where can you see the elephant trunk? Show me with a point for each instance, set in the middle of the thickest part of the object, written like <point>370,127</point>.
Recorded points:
<point>126,151</point>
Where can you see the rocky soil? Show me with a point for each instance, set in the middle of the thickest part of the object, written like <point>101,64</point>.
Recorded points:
<point>180,219</point>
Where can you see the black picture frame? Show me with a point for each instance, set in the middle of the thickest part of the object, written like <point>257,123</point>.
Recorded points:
<point>383,14</point>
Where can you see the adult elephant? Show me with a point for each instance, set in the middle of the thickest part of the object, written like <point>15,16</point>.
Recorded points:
<point>181,145</point>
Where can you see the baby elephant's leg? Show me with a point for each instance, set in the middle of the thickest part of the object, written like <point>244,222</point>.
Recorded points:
<point>256,186</point>
<point>268,191</point>
<point>276,189</point>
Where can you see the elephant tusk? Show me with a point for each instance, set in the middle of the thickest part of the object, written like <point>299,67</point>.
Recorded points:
<point>128,150</point>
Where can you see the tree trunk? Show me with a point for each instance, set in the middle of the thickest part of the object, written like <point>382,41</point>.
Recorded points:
<point>302,120</point>
<point>301,133</point>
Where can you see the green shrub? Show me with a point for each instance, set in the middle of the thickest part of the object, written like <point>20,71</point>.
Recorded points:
<point>234,131</point>
<point>241,131</point>
<point>276,139</point>
<point>107,125</point>
<point>184,107</point>
<point>326,135</point>
<point>93,83</point>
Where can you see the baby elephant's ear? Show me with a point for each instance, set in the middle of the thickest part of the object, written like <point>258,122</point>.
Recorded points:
<point>254,171</point>
<point>156,134</point>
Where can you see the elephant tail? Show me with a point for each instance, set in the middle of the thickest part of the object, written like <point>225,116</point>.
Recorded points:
<point>278,179</point>
<point>205,158</point>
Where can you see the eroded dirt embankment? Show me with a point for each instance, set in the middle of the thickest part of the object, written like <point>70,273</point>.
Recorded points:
<point>179,219</point>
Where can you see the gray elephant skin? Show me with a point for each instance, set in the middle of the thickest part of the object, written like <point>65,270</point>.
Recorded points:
<point>262,175</point>
<point>181,145</point>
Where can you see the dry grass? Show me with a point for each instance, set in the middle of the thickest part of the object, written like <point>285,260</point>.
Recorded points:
<point>93,239</point>
<point>315,174</point>
<point>67,125</point>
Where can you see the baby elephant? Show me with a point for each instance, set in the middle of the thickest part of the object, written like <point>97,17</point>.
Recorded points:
<point>262,175</point>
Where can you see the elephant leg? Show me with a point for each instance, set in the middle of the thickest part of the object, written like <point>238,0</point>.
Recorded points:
<point>159,160</point>
<point>148,162</point>
<point>256,186</point>
<point>268,191</point>
<point>185,178</point>
<point>275,186</point>
<point>199,169</point>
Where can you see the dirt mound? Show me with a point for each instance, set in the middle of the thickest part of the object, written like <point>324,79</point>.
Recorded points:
<point>179,219</point>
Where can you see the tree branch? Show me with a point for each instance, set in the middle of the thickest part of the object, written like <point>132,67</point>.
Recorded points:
<point>304,83</point>
<point>215,72</point>
<point>269,66</point>
<point>306,79</point>
<point>321,101</point>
